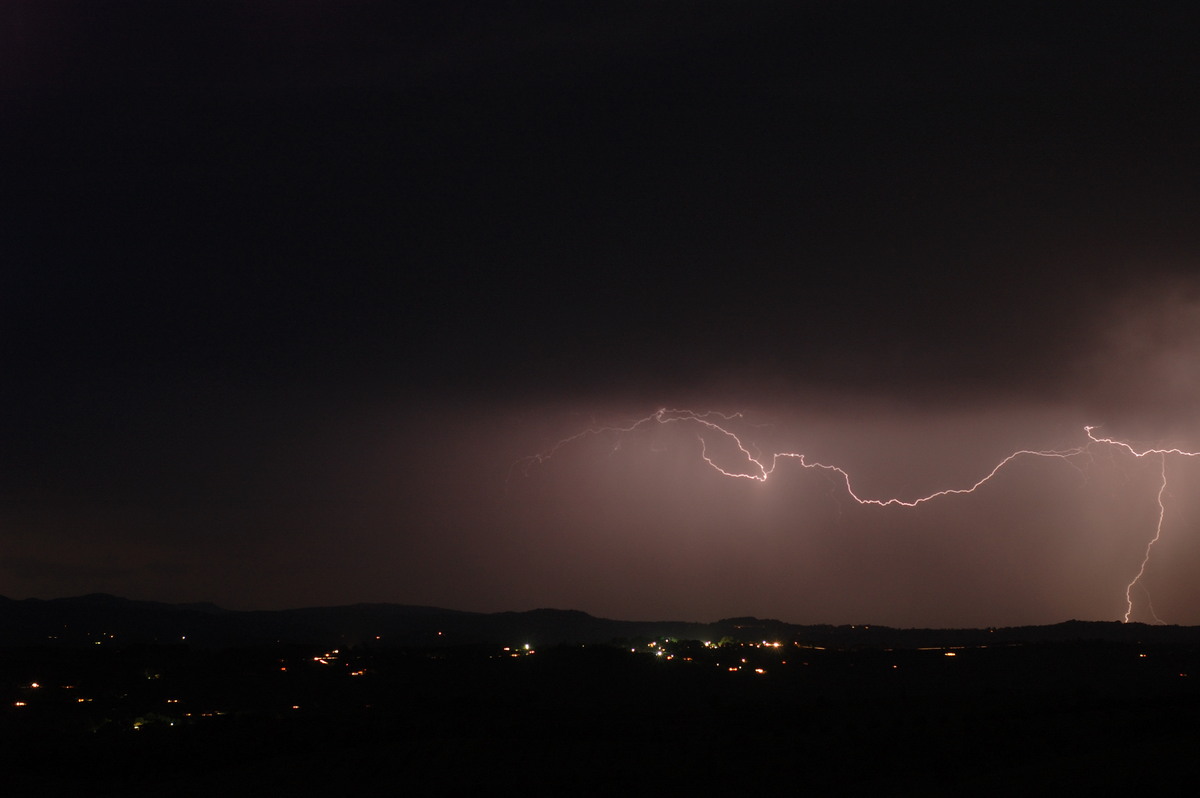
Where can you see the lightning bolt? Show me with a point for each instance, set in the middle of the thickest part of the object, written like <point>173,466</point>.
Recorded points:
<point>759,468</point>
<point>1162,512</point>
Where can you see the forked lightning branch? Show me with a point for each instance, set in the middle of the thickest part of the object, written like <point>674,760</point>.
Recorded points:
<point>714,426</point>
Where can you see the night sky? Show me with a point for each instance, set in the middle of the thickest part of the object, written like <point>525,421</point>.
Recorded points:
<point>290,289</point>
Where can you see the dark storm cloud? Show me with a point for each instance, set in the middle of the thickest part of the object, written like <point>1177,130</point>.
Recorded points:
<point>296,285</point>
<point>1141,365</point>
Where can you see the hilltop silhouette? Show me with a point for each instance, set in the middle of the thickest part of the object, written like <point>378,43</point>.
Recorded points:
<point>107,619</point>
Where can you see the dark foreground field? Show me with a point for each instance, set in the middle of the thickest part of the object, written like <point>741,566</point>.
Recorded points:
<point>632,717</point>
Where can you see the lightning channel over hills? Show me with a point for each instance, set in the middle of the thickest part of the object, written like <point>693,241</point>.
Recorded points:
<point>712,427</point>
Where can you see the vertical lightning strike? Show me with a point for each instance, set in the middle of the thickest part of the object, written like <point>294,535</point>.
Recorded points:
<point>760,468</point>
<point>1162,512</point>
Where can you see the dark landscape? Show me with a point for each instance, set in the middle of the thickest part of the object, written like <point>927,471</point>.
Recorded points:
<point>104,695</point>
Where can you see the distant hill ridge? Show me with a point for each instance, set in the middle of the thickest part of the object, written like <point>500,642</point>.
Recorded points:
<point>103,619</point>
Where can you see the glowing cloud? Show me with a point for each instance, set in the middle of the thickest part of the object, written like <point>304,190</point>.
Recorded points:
<point>713,427</point>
